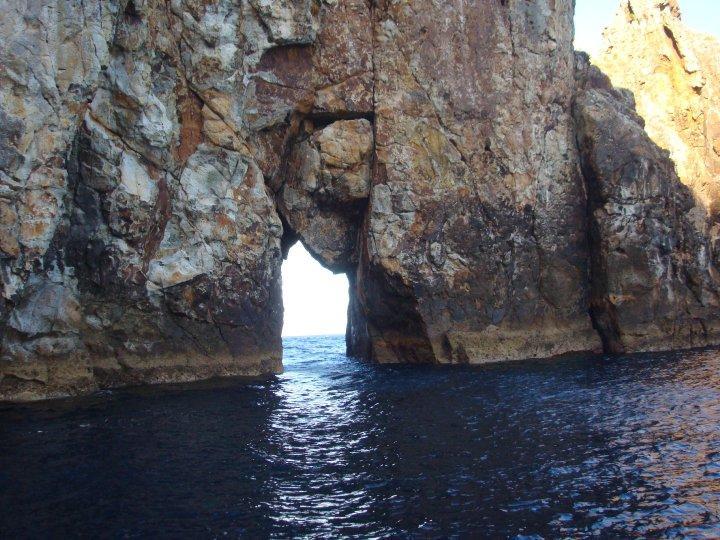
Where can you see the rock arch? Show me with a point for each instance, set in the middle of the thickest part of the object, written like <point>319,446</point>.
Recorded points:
<point>157,160</point>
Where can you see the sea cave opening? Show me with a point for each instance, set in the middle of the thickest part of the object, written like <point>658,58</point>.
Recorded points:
<point>315,300</point>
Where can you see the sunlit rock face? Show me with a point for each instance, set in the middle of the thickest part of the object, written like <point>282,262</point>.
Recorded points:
<point>471,177</point>
<point>654,285</point>
<point>476,232</point>
<point>148,154</point>
<point>674,74</point>
<point>140,207</point>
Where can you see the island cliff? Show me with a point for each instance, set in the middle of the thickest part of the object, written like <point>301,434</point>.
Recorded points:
<point>489,193</point>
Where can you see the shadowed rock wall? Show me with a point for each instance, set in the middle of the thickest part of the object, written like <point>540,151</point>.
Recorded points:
<point>654,284</point>
<point>490,196</point>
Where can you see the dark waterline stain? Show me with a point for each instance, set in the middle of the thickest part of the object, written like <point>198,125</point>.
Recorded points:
<point>337,447</point>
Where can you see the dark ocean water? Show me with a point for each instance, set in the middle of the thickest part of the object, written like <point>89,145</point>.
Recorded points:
<point>337,447</point>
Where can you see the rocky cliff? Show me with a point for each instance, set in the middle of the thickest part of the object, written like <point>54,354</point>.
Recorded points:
<point>674,75</point>
<point>489,194</point>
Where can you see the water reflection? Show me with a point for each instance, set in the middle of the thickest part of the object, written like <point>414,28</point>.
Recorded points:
<point>317,432</point>
<point>335,447</point>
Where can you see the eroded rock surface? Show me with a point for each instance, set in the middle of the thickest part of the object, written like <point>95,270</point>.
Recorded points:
<point>674,74</point>
<point>326,191</point>
<point>489,196</point>
<point>476,242</point>
<point>654,286</point>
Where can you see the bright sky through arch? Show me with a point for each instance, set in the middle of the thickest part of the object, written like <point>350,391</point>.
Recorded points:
<point>316,301</point>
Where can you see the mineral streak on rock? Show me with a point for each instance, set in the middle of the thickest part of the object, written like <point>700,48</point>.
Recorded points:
<point>489,195</point>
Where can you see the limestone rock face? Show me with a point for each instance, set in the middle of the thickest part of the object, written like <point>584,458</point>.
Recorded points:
<point>489,195</point>
<point>674,74</point>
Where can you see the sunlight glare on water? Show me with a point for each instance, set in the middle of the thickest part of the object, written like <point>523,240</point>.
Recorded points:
<point>339,447</point>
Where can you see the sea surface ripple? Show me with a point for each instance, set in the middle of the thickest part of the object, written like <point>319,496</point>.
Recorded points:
<point>578,447</point>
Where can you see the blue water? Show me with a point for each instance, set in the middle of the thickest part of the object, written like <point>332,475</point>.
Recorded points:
<point>338,447</point>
